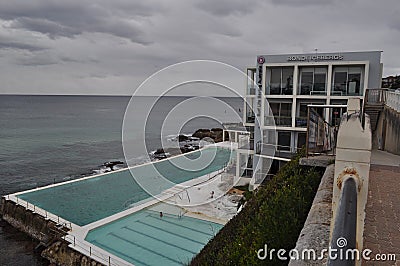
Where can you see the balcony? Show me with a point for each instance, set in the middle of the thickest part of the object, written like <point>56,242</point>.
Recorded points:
<point>282,121</point>
<point>277,90</point>
<point>308,90</point>
<point>347,89</point>
<point>338,92</point>
<point>275,150</point>
<point>301,121</point>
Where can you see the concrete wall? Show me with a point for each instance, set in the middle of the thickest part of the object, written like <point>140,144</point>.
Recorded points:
<point>45,231</point>
<point>353,157</point>
<point>387,135</point>
<point>27,221</point>
<point>60,253</point>
<point>315,232</point>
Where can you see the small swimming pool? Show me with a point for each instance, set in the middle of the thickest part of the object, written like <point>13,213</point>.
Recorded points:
<point>145,238</point>
<point>89,200</point>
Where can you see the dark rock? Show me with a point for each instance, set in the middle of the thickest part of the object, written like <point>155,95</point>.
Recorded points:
<point>215,134</point>
<point>182,138</point>
<point>112,164</point>
<point>159,151</point>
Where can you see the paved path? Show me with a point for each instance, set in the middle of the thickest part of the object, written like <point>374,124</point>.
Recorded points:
<point>382,223</point>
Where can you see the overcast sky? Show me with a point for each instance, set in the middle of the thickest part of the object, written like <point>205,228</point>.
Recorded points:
<point>110,47</point>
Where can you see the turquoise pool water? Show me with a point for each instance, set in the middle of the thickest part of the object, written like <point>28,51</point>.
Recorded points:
<point>92,199</point>
<point>145,238</point>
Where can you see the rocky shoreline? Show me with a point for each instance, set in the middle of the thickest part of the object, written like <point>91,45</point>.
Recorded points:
<point>191,143</point>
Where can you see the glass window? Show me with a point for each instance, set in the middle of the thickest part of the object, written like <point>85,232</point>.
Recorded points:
<point>274,108</point>
<point>313,81</point>
<point>287,80</point>
<point>301,139</point>
<point>285,114</point>
<point>286,109</point>
<point>275,82</point>
<point>282,114</point>
<point>284,141</point>
<point>301,118</point>
<point>280,80</point>
<point>347,81</point>
<point>336,115</point>
<point>319,82</point>
<point>306,82</point>
<point>303,110</point>
<point>354,84</point>
<point>340,81</point>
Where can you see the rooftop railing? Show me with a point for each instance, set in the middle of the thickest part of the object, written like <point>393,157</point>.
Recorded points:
<point>375,96</point>
<point>393,100</point>
<point>273,150</point>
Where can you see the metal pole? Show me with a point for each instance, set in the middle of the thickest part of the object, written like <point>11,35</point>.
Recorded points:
<point>344,231</point>
<point>308,129</point>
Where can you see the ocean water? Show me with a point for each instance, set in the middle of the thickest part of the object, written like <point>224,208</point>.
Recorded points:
<point>46,139</point>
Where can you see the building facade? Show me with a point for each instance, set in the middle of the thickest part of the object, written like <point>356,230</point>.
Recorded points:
<point>280,88</point>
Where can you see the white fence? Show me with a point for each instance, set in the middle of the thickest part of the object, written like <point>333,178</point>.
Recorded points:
<point>35,209</point>
<point>82,246</point>
<point>393,100</point>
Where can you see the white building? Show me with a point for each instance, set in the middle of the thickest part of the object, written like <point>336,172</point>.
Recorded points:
<point>288,83</point>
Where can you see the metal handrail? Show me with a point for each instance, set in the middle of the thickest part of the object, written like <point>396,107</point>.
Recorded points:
<point>345,226</point>
<point>393,100</point>
<point>36,209</point>
<point>88,249</point>
<point>277,147</point>
<point>375,96</point>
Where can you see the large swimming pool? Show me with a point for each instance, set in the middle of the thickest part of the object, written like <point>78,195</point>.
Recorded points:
<point>145,238</point>
<point>89,200</point>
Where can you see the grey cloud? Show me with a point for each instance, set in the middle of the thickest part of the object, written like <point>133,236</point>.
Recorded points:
<point>69,18</point>
<point>44,26</point>
<point>92,46</point>
<point>37,60</point>
<point>7,44</point>
<point>68,59</point>
<point>394,22</point>
<point>228,7</point>
<point>303,3</point>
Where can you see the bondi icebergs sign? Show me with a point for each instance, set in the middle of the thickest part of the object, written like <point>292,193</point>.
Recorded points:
<point>314,57</point>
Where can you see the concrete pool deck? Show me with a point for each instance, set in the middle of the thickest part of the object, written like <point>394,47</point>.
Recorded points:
<point>197,191</point>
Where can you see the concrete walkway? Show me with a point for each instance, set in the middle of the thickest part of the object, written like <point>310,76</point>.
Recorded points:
<point>382,223</point>
<point>384,158</point>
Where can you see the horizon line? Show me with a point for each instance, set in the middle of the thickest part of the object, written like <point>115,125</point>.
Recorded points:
<point>106,95</point>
